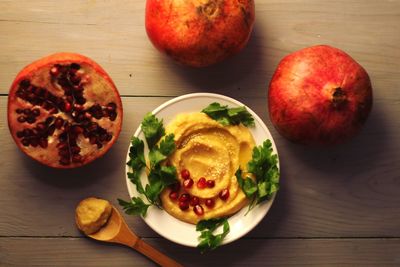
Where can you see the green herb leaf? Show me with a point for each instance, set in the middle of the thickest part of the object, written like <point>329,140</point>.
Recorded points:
<point>229,116</point>
<point>264,166</point>
<point>136,162</point>
<point>248,186</point>
<point>159,176</point>
<point>135,207</point>
<point>153,129</point>
<point>167,145</point>
<point>160,153</point>
<point>209,241</point>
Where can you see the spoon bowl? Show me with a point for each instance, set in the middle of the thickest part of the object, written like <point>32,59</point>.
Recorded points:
<point>117,231</point>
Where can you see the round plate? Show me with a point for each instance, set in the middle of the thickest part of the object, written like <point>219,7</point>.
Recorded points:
<point>181,232</point>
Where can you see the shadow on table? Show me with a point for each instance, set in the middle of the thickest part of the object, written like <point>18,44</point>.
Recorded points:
<point>77,177</point>
<point>356,156</point>
<point>244,69</point>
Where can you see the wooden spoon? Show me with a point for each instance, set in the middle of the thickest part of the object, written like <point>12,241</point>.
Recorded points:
<point>117,231</point>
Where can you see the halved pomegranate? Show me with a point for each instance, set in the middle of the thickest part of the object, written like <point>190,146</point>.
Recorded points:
<point>64,110</point>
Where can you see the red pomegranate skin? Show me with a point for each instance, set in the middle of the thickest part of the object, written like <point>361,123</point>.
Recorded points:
<point>199,33</point>
<point>319,96</point>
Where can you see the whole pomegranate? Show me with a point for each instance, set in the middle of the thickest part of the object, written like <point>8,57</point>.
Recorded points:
<point>319,95</point>
<point>199,33</point>
<point>64,110</point>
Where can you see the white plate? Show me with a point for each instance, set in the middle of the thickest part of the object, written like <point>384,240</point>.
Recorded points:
<point>184,233</point>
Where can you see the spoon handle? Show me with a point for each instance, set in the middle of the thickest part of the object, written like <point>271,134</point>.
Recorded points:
<point>154,254</point>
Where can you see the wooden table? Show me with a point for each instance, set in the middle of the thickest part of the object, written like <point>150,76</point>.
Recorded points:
<point>338,206</point>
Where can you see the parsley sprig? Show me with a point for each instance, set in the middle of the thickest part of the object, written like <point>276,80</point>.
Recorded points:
<point>207,239</point>
<point>159,176</point>
<point>229,116</point>
<point>264,166</point>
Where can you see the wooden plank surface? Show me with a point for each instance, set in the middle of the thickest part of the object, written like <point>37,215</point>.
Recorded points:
<point>113,34</point>
<point>337,206</point>
<point>348,191</point>
<point>246,252</point>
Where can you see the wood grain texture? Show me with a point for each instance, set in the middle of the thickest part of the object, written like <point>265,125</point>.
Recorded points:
<point>267,252</point>
<point>347,191</point>
<point>336,207</point>
<point>113,34</point>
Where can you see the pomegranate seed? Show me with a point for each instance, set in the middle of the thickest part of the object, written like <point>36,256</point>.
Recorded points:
<point>25,83</point>
<point>185,174</point>
<point>75,66</point>
<point>67,107</point>
<point>210,202</point>
<point>111,106</point>
<point>77,129</point>
<point>25,142</point>
<point>75,149</point>
<point>202,183</point>
<point>184,197</point>
<point>194,201</point>
<point>34,142</point>
<point>109,137</point>
<point>183,205</point>
<point>198,209</point>
<point>41,126</point>
<point>30,120</point>
<point>224,194</point>
<point>35,112</point>
<point>49,120</point>
<point>173,195</point>
<point>112,116</point>
<point>188,183</point>
<point>21,119</point>
<point>19,110</point>
<point>210,183</point>
<point>20,134</point>
<point>78,107</point>
<point>43,142</point>
<point>54,71</point>
<point>51,130</point>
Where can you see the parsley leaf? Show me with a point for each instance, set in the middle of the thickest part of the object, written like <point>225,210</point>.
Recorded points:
<point>135,207</point>
<point>264,166</point>
<point>153,129</point>
<point>159,176</point>
<point>229,116</point>
<point>248,186</point>
<point>209,241</point>
<point>136,162</point>
<point>160,153</point>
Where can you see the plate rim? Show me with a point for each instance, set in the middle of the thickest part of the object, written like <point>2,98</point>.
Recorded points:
<point>215,96</point>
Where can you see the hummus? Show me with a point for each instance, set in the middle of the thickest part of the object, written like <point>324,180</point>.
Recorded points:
<point>208,149</point>
<point>91,214</point>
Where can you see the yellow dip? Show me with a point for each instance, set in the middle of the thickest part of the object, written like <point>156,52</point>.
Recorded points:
<point>208,149</point>
<point>91,214</point>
